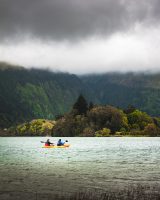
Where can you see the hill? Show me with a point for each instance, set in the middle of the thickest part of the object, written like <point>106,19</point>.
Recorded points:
<point>121,90</point>
<point>41,94</point>
<point>30,94</point>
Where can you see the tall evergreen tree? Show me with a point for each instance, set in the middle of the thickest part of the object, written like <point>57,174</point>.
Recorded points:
<point>81,105</point>
<point>91,105</point>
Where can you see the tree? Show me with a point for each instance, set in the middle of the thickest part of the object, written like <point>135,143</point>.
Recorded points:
<point>91,105</point>
<point>70,125</point>
<point>107,117</point>
<point>81,105</point>
<point>140,118</point>
<point>151,130</point>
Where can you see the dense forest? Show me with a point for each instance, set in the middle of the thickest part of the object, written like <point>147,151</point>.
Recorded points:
<point>139,89</point>
<point>96,120</point>
<point>40,94</point>
<point>29,94</point>
<point>89,120</point>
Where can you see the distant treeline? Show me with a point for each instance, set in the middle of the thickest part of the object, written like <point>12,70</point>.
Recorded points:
<point>87,119</point>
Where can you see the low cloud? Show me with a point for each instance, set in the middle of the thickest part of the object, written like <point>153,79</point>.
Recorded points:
<point>138,51</point>
<point>80,36</point>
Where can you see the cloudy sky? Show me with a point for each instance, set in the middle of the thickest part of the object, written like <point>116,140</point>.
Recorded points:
<point>81,36</point>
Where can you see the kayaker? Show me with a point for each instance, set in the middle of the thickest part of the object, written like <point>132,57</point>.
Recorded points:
<point>60,142</point>
<point>48,143</point>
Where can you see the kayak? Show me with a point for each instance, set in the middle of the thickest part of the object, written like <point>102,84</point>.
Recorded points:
<point>55,146</point>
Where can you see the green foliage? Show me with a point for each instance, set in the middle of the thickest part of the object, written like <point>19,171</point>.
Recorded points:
<point>105,132</point>
<point>99,121</point>
<point>29,94</point>
<point>70,125</point>
<point>37,127</point>
<point>139,90</point>
<point>105,121</point>
<point>139,119</point>
<point>107,116</point>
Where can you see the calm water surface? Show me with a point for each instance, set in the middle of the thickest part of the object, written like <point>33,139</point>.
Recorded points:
<point>90,163</point>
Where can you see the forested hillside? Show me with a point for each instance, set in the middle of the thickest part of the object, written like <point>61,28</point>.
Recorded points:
<point>121,90</point>
<point>28,94</point>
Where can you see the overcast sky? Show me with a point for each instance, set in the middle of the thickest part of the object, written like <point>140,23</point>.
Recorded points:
<point>81,36</point>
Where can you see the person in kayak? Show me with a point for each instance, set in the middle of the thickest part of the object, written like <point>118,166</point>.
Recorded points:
<point>48,143</point>
<point>60,142</point>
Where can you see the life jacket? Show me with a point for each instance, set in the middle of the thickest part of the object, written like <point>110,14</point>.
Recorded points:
<point>60,143</point>
<point>47,144</point>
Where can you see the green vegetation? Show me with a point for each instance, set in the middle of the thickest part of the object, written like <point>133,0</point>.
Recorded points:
<point>105,121</point>
<point>98,121</point>
<point>105,132</point>
<point>121,90</point>
<point>37,127</point>
<point>33,94</point>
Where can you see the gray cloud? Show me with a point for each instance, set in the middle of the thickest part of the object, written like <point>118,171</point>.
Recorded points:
<point>73,19</point>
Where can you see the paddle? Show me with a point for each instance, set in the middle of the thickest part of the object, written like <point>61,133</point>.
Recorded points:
<point>51,144</point>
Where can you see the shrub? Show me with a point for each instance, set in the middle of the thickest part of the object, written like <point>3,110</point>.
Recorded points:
<point>105,132</point>
<point>151,130</point>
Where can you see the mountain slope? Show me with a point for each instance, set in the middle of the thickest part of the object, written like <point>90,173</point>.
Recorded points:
<point>27,94</point>
<point>139,90</point>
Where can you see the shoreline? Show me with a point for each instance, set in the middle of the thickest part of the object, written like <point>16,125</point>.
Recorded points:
<point>115,136</point>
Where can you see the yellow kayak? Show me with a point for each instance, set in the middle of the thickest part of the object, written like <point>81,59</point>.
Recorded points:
<point>55,146</point>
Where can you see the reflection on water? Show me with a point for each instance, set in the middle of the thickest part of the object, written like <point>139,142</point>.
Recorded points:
<point>90,163</point>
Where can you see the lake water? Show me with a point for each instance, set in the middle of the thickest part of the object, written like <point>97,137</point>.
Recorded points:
<point>28,170</point>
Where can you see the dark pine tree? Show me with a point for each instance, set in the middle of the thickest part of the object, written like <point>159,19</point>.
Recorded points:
<point>81,105</point>
<point>91,105</point>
